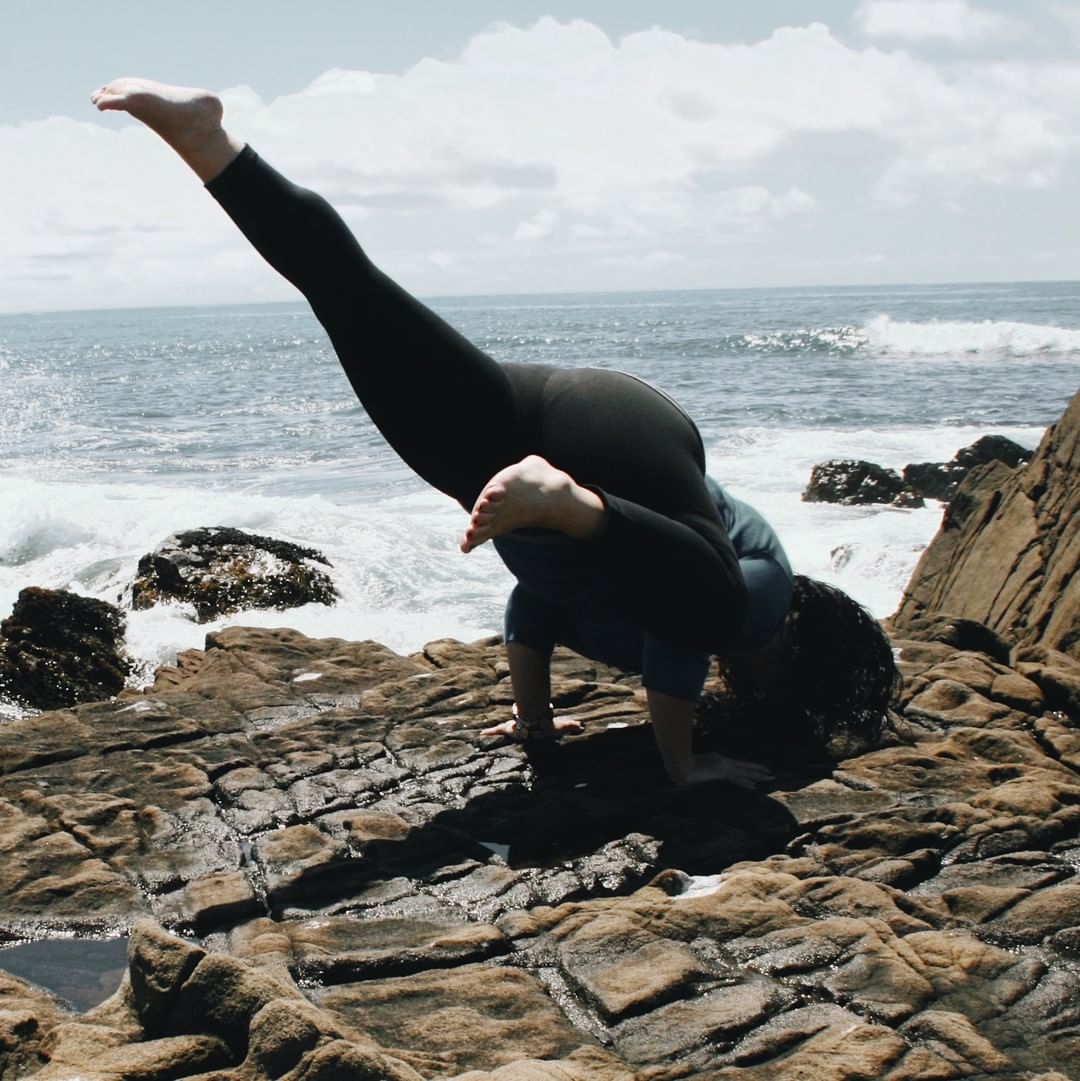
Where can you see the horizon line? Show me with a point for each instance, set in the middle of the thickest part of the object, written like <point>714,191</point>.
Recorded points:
<point>433,297</point>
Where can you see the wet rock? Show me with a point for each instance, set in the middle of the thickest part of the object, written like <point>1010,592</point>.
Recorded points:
<point>385,893</point>
<point>58,649</point>
<point>27,1015</point>
<point>957,632</point>
<point>1008,551</point>
<point>853,482</point>
<point>471,1018</point>
<point>220,570</point>
<point>940,480</point>
<point>1056,674</point>
<point>156,1026</point>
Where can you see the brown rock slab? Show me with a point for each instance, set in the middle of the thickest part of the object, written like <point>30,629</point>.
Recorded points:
<point>476,909</point>
<point>1008,551</point>
<point>475,1017</point>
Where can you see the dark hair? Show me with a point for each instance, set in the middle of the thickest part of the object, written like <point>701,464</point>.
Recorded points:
<point>843,671</point>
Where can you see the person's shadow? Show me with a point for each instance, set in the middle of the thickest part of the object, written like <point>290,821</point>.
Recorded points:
<point>606,787</point>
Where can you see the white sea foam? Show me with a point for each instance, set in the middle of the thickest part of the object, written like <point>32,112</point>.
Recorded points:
<point>868,551</point>
<point>988,339</point>
<point>702,886</point>
<point>401,578</point>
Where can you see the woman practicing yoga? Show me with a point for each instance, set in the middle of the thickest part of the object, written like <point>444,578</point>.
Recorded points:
<point>590,483</point>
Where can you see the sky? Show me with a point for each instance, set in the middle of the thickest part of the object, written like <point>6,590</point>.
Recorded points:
<point>529,146</point>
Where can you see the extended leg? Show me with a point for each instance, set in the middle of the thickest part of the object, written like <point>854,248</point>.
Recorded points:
<point>445,407</point>
<point>457,417</point>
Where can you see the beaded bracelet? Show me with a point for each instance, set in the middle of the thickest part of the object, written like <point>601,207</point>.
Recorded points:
<point>538,726</point>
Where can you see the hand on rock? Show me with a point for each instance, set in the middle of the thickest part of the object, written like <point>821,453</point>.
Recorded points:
<point>718,767</point>
<point>560,726</point>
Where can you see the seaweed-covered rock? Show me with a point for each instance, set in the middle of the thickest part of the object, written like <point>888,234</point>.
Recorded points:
<point>220,570</point>
<point>58,648</point>
<point>852,482</point>
<point>939,480</point>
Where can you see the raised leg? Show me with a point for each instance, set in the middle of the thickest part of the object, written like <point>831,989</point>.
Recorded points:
<point>460,419</point>
<point>446,407</point>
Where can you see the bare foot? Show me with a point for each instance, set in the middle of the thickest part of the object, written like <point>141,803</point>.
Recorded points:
<point>560,726</point>
<point>188,119</point>
<point>533,492</point>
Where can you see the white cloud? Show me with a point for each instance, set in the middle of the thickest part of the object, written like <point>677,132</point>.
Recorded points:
<point>541,224</point>
<point>1003,125</point>
<point>603,150</point>
<point>442,259</point>
<point>914,20</point>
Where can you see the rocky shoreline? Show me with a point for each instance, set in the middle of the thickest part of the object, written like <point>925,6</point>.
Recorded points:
<point>378,892</point>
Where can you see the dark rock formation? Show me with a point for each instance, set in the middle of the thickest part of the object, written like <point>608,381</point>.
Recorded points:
<point>853,482</point>
<point>939,480</point>
<point>383,893</point>
<point>58,648</point>
<point>1008,551</point>
<point>221,570</point>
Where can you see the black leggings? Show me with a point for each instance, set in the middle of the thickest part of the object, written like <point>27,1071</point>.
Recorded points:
<point>457,417</point>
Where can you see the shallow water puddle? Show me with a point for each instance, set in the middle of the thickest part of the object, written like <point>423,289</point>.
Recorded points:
<point>82,971</point>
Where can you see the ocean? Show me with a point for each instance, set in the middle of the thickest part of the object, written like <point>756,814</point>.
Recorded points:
<point>120,427</point>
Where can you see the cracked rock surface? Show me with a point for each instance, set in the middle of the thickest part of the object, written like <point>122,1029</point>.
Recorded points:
<point>367,888</point>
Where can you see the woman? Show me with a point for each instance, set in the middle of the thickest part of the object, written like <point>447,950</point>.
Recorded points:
<point>590,483</point>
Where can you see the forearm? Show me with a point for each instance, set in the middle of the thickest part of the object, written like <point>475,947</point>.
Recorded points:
<point>672,721</point>
<point>530,677</point>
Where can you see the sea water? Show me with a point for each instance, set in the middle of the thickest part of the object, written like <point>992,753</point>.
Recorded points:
<point>118,428</point>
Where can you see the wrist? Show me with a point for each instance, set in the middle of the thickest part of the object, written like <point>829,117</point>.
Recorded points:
<point>679,772</point>
<point>535,724</point>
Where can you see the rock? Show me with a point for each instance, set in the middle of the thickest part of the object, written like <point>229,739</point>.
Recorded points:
<point>1056,673</point>
<point>939,480</point>
<point>1008,551</point>
<point>954,631</point>
<point>472,1018</point>
<point>220,570</point>
<point>854,482</point>
<point>181,1012</point>
<point>58,648</point>
<point>383,893</point>
<point>27,1015</point>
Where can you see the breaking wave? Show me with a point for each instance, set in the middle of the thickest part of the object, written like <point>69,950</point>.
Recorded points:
<point>989,338</point>
<point>885,337</point>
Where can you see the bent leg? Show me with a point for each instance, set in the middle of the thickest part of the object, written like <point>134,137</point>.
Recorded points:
<point>458,418</point>
<point>663,546</point>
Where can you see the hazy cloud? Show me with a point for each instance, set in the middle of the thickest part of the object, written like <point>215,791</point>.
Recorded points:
<point>951,20</point>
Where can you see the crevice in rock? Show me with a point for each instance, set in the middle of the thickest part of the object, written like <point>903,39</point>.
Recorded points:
<point>582,1016</point>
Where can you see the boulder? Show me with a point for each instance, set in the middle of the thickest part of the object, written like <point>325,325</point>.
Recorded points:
<point>853,482</point>
<point>220,570</point>
<point>939,480</point>
<point>58,648</point>
<point>1008,551</point>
